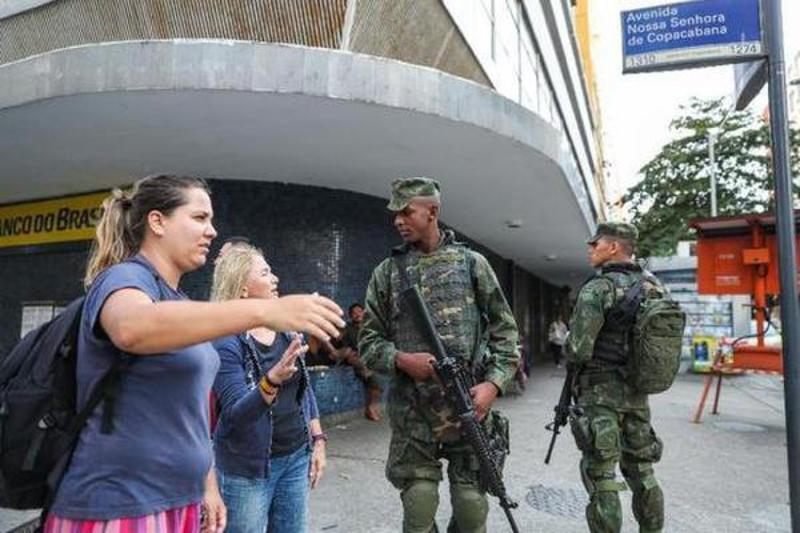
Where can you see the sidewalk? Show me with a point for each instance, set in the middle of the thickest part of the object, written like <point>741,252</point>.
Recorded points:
<point>726,474</point>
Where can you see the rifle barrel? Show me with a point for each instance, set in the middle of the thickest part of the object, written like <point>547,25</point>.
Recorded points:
<point>552,445</point>
<point>510,517</point>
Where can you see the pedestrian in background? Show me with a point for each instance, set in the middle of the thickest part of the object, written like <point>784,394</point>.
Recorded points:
<point>152,471</point>
<point>268,443</point>
<point>556,337</point>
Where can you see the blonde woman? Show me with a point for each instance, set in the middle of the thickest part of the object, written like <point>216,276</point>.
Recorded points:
<point>268,443</point>
<point>151,471</point>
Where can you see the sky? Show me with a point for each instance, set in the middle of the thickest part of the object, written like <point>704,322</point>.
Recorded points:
<point>636,109</point>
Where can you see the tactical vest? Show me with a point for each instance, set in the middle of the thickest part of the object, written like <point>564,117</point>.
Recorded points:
<point>445,280</point>
<point>612,345</point>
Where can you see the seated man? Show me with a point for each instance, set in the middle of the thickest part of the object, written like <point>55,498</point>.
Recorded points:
<point>345,351</point>
<point>320,353</point>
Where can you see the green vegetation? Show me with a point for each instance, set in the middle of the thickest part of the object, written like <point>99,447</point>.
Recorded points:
<point>676,187</point>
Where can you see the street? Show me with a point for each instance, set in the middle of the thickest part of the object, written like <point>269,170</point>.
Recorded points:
<point>726,474</point>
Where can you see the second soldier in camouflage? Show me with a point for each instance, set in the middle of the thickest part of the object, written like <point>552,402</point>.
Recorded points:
<point>474,322</point>
<point>616,426</point>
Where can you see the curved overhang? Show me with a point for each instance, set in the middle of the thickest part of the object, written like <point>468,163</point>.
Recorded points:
<point>90,117</point>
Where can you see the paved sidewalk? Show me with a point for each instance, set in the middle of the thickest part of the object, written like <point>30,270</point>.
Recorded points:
<point>726,474</point>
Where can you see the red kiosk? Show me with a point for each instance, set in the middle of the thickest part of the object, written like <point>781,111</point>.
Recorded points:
<point>739,255</point>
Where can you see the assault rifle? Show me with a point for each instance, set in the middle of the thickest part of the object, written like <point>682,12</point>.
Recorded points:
<point>457,381</point>
<point>563,410</point>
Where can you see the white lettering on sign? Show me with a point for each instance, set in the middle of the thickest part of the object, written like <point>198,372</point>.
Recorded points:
<point>685,34</point>
<point>647,27</point>
<point>662,12</point>
<point>697,20</point>
<point>665,25</point>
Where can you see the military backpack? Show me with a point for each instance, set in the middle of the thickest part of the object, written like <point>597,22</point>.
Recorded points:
<point>655,324</point>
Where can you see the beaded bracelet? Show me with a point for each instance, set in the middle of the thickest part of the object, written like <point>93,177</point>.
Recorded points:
<point>267,386</point>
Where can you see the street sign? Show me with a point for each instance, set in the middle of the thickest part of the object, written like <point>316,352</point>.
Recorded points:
<point>691,34</point>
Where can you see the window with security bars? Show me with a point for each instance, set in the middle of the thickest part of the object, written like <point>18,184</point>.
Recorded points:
<point>35,314</point>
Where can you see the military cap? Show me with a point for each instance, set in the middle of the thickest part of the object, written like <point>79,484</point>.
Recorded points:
<point>406,189</point>
<point>616,230</point>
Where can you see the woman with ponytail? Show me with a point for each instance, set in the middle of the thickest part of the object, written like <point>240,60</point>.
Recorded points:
<point>148,468</point>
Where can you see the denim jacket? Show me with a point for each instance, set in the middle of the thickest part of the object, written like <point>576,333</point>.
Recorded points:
<point>243,436</point>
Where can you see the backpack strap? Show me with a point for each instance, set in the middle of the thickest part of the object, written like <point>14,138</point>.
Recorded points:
<point>623,313</point>
<point>54,477</point>
<point>621,316</point>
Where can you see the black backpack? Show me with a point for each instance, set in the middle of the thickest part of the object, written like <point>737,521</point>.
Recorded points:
<point>39,419</point>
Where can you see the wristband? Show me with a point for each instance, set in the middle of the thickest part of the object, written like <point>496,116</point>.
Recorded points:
<point>267,386</point>
<point>319,436</point>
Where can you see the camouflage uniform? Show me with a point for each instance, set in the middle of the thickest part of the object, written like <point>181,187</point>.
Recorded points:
<point>616,426</point>
<point>474,322</point>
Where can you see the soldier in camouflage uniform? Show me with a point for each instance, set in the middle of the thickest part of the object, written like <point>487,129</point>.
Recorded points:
<point>475,323</point>
<point>616,426</point>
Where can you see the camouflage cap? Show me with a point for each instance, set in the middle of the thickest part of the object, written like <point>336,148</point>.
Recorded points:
<point>406,189</point>
<point>617,230</point>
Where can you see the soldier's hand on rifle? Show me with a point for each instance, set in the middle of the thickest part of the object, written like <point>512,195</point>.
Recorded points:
<point>418,365</point>
<point>483,396</point>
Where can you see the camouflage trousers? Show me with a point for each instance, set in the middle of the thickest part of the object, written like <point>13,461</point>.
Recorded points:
<point>414,467</point>
<point>615,429</point>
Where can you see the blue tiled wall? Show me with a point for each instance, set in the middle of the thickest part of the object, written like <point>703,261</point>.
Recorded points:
<point>316,239</point>
<point>337,389</point>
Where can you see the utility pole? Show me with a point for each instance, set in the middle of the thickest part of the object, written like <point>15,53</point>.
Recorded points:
<point>711,134</point>
<point>787,261</point>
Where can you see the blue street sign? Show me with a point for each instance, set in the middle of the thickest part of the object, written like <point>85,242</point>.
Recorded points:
<point>691,34</point>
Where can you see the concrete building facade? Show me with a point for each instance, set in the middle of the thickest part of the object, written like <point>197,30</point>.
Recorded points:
<point>300,113</point>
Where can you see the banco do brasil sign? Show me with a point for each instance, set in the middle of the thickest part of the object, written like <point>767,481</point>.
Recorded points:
<point>691,34</point>
<point>66,219</point>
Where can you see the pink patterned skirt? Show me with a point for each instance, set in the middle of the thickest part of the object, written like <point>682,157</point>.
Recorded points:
<point>179,520</point>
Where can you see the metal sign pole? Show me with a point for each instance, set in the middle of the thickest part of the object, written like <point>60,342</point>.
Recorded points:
<point>784,203</point>
<point>712,169</point>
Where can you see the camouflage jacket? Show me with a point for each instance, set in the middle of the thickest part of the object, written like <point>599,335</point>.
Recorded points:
<point>378,337</point>
<point>594,301</point>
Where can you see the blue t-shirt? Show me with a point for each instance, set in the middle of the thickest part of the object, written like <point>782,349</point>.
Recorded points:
<point>159,453</point>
